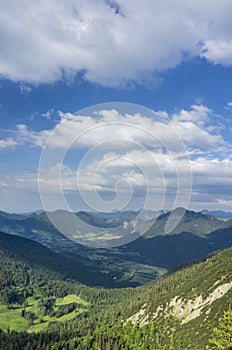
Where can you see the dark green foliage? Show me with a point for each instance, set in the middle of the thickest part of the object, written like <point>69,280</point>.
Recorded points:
<point>66,309</point>
<point>18,251</point>
<point>22,273</point>
<point>171,251</point>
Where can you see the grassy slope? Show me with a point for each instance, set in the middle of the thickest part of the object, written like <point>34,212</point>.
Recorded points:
<point>42,322</point>
<point>12,319</point>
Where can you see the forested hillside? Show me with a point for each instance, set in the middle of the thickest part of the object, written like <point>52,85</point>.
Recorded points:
<point>177,311</point>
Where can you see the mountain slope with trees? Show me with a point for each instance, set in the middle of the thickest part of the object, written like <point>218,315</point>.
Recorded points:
<point>177,311</point>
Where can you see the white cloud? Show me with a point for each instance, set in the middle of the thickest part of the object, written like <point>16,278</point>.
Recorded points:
<point>134,170</point>
<point>219,52</point>
<point>198,114</point>
<point>42,42</point>
<point>136,166</point>
<point>192,126</point>
<point>25,89</point>
<point>121,153</point>
<point>194,136</point>
<point>3,184</point>
<point>22,135</point>
<point>27,180</point>
<point>48,113</point>
<point>7,143</point>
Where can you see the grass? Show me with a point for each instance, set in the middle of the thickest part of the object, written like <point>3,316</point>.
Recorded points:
<point>70,298</point>
<point>12,319</point>
<point>46,320</point>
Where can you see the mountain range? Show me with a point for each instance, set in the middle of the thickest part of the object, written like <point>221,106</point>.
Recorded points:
<point>142,259</point>
<point>56,293</point>
<point>44,304</point>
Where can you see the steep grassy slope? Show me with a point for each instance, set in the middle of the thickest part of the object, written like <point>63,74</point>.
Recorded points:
<point>178,311</point>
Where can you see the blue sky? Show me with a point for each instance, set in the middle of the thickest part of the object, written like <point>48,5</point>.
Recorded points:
<point>58,59</point>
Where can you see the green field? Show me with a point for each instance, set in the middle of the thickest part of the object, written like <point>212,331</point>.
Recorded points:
<point>12,318</point>
<point>71,298</point>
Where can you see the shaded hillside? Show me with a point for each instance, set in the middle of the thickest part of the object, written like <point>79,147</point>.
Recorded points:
<point>24,252</point>
<point>171,251</point>
<point>91,267</point>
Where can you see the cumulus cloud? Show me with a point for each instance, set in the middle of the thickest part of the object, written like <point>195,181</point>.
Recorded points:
<point>197,114</point>
<point>193,127</point>
<point>113,153</point>
<point>135,166</point>
<point>22,135</point>
<point>109,42</point>
<point>219,52</point>
<point>28,179</point>
<point>7,143</point>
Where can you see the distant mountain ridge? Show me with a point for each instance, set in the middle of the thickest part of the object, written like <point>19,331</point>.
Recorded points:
<point>196,235</point>
<point>219,213</point>
<point>197,223</point>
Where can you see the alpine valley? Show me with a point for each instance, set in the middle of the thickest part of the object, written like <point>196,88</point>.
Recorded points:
<point>161,291</point>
